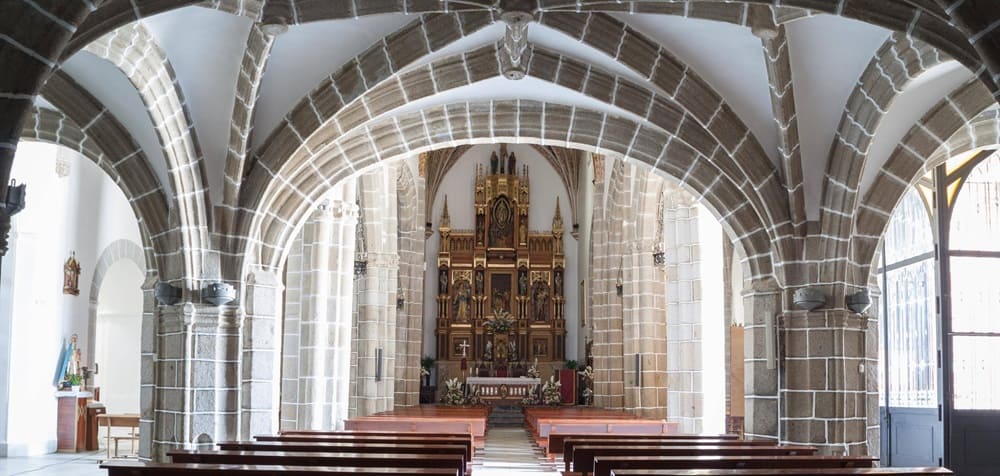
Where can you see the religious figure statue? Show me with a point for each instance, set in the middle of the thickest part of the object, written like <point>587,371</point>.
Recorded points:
<point>522,283</point>
<point>494,163</point>
<point>461,303</point>
<point>488,353</point>
<point>540,301</point>
<point>443,282</point>
<point>479,282</point>
<point>501,300</point>
<point>512,164</point>
<point>71,276</point>
<point>512,351</point>
<point>480,229</point>
<point>558,282</point>
<point>502,353</point>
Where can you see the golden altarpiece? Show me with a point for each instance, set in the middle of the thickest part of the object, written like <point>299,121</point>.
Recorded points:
<point>500,286</point>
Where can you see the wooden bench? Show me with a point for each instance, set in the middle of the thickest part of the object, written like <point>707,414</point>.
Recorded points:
<point>605,465</point>
<point>571,443</point>
<point>582,456</point>
<point>555,442</point>
<point>136,468</point>
<point>787,472</point>
<point>477,427</point>
<point>402,438</point>
<point>295,458</point>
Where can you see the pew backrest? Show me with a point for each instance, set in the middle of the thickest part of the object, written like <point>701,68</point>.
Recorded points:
<point>605,465</point>
<point>787,472</point>
<point>582,457</point>
<point>136,468</point>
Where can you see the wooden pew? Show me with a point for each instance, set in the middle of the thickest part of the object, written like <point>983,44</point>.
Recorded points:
<point>554,443</point>
<point>475,426</point>
<point>403,438</point>
<point>136,468</point>
<point>605,465</point>
<point>787,472</point>
<point>570,443</point>
<point>582,456</point>
<point>548,426</point>
<point>297,458</point>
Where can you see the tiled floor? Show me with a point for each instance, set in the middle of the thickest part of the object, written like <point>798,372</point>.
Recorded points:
<point>509,451</point>
<point>57,464</point>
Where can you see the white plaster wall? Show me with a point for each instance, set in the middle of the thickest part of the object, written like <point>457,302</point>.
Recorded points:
<point>459,186</point>
<point>119,329</point>
<point>83,212</point>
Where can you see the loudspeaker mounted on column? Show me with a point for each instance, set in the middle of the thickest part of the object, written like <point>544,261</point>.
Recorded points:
<point>167,294</point>
<point>219,293</point>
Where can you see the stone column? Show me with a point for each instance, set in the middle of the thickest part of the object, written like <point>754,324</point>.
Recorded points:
<point>684,318</point>
<point>317,325</point>
<point>824,379</point>
<point>259,357</point>
<point>409,316</point>
<point>376,342</point>
<point>645,334</point>
<point>606,316</point>
<point>147,366</point>
<point>195,346</point>
<point>761,307</point>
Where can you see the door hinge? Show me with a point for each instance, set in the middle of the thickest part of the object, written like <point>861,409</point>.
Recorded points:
<point>937,304</point>
<point>939,359</point>
<point>939,412</point>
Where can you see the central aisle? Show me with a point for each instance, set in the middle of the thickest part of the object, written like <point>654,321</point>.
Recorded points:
<point>510,451</point>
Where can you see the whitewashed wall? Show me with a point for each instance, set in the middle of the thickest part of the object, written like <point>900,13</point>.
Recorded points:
<point>82,212</point>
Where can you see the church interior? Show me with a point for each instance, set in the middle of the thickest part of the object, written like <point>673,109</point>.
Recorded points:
<point>593,231</point>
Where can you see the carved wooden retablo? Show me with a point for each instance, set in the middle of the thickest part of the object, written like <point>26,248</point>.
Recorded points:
<point>500,286</point>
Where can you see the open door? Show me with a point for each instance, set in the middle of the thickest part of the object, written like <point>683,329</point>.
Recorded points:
<point>912,427</point>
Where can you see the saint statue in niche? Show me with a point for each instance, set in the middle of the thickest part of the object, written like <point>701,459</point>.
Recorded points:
<point>479,282</point>
<point>512,351</point>
<point>540,301</point>
<point>71,276</point>
<point>522,283</point>
<point>558,282</point>
<point>488,353</point>
<point>480,229</point>
<point>443,281</point>
<point>461,302</point>
<point>512,164</point>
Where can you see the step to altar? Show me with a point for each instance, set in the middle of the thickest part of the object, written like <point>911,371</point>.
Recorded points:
<point>506,416</point>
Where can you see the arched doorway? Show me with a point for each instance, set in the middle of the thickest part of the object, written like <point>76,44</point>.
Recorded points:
<point>117,337</point>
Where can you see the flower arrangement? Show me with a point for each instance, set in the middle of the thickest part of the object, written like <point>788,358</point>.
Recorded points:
<point>587,374</point>
<point>533,370</point>
<point>452,394</point>
<point>550,392</point>
<point>532,397</point>
<point>501,323</point>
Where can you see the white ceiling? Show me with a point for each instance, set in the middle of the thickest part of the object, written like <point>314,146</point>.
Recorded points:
<point>110,86</point>
<point>306,54</point>
<point>922,94</point>
<point>828,55</point>
<point>205,48</point>
<point>728,57</point>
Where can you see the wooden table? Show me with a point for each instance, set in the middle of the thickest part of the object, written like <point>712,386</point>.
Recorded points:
<point>121,420</point>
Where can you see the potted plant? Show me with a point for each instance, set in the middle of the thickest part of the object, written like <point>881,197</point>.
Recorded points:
<point>74,382</point>
<point>426,364</point>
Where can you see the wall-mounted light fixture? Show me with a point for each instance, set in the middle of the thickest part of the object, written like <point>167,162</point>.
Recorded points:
<point>167,294</point>
<point>859,301</point>
<point>219,293</point>
<point>809,298</point>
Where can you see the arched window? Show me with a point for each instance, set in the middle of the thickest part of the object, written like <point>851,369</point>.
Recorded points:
<point>908,289</point>
<point>974,250</point>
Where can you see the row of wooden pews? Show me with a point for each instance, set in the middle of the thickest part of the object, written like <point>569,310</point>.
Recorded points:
<point>690,455</point>
<point>319,452</point>
<point>611,443</point>
<point>427,419</point>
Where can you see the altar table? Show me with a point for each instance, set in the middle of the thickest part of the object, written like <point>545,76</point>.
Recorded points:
<point>503,390</point>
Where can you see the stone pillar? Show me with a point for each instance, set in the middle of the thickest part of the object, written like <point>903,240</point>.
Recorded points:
<point>376,341</point>
<point>409,316</point>
<point>147,366</point>
<point>606,318</point>
<point>316,353</point>
<point>823,380</point>
<point>259,357</point>
<point>315,386</point>
<point>761,307</point>
<point>684,316</point>
<point>195,346</point>
<point>645,334</point>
